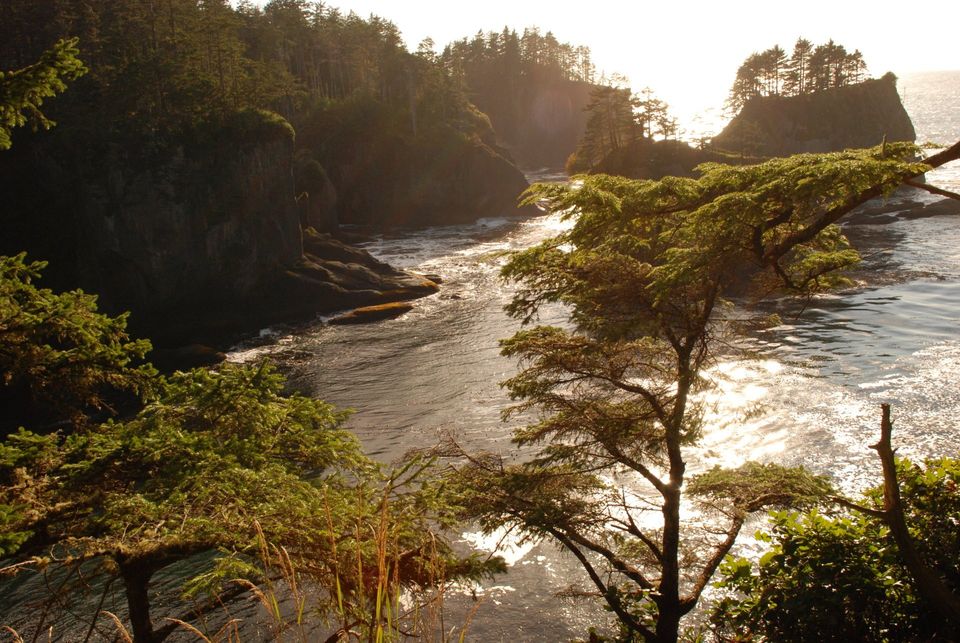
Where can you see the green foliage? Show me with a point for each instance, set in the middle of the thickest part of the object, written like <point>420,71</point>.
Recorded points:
<point>22,91</point>
<point>840,577</point>
<point>58,351</point>
<point>756,485</point>
<point>227,440</point>
<point>213,460</point>
<point>645,275</point>
<point>224,460</point>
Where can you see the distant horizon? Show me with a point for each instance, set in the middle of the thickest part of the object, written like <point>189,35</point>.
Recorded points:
<point>688,51</point>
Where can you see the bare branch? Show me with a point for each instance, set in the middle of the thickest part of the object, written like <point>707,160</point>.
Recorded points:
<point>689,601</point>
<point>843,502</point>
<point>932,189</point>
<point>808,233</point>
<point>928,582</point>
<point>611,598</point>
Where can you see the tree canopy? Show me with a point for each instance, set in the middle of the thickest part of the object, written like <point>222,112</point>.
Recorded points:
<point>617,118</point>
<point>809,69</point>
<point>647,273</point>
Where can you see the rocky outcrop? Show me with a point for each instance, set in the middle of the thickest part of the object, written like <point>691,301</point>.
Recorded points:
<point>856,116</point>
<point>458,180</point>
<point>316,195</point>
<point>646,159</point>
<point>216,218</point>
<point>199,237</point>
<point>366,314</point>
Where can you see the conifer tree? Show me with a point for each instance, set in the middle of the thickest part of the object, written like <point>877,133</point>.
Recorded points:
<point>647,272</point>
<point>797,79</point>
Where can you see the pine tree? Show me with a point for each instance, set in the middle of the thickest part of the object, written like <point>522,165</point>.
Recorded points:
<point>797,79</point>
<point>646,273</point>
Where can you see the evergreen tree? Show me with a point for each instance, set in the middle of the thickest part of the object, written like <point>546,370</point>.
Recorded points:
<point>797,79</point>
<point>214,460</point>
<point>60,360</point>
<point>808,69</point>
<point>611,124</point>
<point>645,273</point>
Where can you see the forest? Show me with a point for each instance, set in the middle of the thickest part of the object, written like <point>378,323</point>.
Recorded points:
<point>809,68</point>
<point>118,474</point>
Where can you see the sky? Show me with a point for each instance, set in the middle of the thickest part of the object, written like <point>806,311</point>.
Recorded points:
<point>688,51</point>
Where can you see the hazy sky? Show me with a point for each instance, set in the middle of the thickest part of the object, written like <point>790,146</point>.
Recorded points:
<point>688,50</point>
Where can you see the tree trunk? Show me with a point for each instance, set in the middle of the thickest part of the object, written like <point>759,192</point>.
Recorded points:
<point>136,580</point>
<point>928,581</point>
<point>668,601</point>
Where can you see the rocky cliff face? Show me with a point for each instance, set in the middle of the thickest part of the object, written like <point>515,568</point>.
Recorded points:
<point>846,117</point>
<point>199,236</point>
<point>216,220</point>
<point>403,183</point>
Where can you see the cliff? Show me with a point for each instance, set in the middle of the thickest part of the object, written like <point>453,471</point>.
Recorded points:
<point>855,116</point>
<point>646,159</point>
<point>197,233</point>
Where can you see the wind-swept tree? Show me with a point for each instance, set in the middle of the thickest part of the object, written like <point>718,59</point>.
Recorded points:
<point>647,273</point>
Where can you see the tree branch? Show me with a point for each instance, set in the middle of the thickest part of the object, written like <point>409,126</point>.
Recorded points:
<point>932,189</point>
<point>611,599</point>
<point>806,234</point>
<point>618,563</point>
<point>843,502</point>
<point>689,601</point>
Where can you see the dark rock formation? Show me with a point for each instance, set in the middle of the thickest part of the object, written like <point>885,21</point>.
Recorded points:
<point>856,116</point>
<point>316,195</point>
<point>646,159</point>
<point>329,276</point>
<point>184,358</point>
<point>199,236</point>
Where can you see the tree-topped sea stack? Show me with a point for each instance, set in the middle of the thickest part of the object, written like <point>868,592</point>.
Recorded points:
<point>817,100</point>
